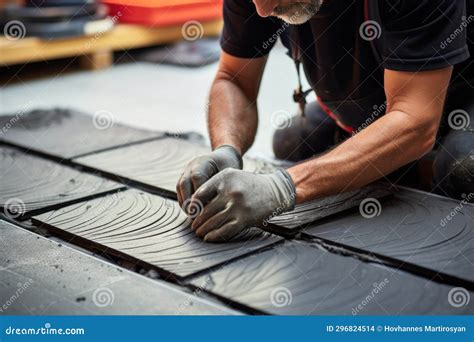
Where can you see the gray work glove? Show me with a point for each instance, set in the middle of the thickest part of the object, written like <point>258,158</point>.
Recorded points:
<point>201,169</point>
<point>234,200</point>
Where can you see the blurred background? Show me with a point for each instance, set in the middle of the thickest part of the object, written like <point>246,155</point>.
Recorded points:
<point>150,63</point>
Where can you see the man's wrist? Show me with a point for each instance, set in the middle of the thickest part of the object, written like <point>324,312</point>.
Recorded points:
<point>287,189</point>
<point>231,152</point>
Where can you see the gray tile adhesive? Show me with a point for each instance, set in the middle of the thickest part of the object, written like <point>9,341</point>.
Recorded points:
<point>30,184</point>
<point>431,232</point>
<point>303,279</point>
<point>312,211</point>
<point>57,280</point>
<point>157,163</point>
<point>151,229</point>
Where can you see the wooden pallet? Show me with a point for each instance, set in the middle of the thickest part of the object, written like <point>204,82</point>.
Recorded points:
<point>95,52</point>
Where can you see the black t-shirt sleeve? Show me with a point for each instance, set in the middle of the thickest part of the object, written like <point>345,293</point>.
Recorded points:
<point>423,34</point>
<point>245,33</point>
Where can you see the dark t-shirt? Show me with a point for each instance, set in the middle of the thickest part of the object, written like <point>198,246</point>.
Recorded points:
<point>345,48</point>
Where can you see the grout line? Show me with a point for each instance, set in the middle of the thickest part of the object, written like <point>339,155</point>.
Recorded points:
<point>367,256</point>
<point>134,184</point>
<point>126,182</point>
<point>211,269</point>
<point>28,215</point>
<point>116,147</point>
<point>229,302</point>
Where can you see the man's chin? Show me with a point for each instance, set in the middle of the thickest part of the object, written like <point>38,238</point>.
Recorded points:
<point>294,20</point>
<point>297,14</point>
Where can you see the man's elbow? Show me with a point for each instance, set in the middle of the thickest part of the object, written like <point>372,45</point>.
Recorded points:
<point>224,75</point>
<point>422,128</point>
<point>426,133</point>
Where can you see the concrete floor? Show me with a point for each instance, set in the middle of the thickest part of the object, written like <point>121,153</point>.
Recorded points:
<point>153,96</point>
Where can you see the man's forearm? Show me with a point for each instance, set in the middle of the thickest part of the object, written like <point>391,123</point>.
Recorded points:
<point>381,148</point>
<point>233,117</point>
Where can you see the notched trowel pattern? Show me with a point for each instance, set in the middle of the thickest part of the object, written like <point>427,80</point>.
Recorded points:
<point>151,229</point>
<point>30,184</point>
<point>416,228</point>
<point>157,163</point>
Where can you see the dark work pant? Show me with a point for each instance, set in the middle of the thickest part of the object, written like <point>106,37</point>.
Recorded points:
<point>453,167</point>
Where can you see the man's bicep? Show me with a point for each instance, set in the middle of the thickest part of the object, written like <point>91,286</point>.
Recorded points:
<point>245,72</point>
<point>421,95</point>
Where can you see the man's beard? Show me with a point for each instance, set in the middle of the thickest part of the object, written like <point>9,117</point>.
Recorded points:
<point>298,13</point>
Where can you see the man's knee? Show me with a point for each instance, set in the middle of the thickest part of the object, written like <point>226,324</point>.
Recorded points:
<point>305,136</point>
<point>454,164</point>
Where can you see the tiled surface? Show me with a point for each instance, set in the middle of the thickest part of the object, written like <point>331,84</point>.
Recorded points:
<point>301,279</point>
<point>415,227</point>
<point>157,163</point>
<point>40,277</point>
<point>68,133</point>
<point>152,229</point>
<point>29,184</point>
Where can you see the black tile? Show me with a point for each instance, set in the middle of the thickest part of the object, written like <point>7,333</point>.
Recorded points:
<point>321,208</point>
<point>414,228</point>
<point>149,229</point>
<point>41,277</point>
<point>30,184</point>
<point>302,279</point>
<point>157,163</point>
<point>64,133</point>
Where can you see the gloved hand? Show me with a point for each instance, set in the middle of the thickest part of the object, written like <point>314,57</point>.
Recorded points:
<point>234,200</point>
<point>202,168</point>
